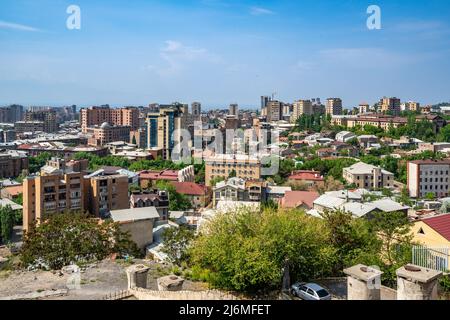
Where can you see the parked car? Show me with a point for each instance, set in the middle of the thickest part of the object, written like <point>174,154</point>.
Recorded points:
<point>309,291</point>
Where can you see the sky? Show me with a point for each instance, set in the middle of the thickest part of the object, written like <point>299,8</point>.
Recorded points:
<point>219,52</point>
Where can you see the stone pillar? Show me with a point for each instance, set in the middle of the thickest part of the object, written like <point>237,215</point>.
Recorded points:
<point>170,283</point>
<point>363,283</point>
<point>417,283</point>
<point>137,276</point>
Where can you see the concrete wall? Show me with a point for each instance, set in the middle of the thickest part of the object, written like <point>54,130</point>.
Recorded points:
<point>141,232</point>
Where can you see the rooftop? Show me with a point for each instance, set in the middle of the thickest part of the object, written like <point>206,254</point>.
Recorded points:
<point>190,188</point>
<point>441,224</point>
<point>295,199</point>
<point>134,214</point>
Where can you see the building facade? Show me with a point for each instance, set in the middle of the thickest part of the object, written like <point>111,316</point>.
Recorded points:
<point>99,136</point>
<point>301,107</point>
<point>50,194</point>
<point>367,176</point>
<point>390,105</point>
<point>164,128</point>
<point>12,163</point>
<point>47,116</point>
<point>333,106</point>
<point>222,165</point>
<point>96,116</point>
<point>428,176</point>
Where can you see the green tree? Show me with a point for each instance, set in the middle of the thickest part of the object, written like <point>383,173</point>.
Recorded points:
<point>232,174</point>
<point>35,163</point>
<point>393,229</point>
<point>7,221</point>
<point>177,201</point>
<point>69,238</point>
<point>176,243</point>
<point>246,251</point>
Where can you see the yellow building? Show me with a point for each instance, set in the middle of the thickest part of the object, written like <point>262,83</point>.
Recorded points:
<point>434,234</point>
<point>222,165</point>
<point>51,194</point>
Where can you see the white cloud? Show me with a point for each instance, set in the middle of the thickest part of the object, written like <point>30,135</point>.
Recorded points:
<point>15,26</point>
<point>258,11</point>
<point>177,57</point>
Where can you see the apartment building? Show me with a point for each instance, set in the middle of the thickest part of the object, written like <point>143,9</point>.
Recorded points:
<point>428,176</point>
<point>158,199</point>
<point>333,106</point>
<point>106,133</point>
<point>52,193</point>
<point>196,108</point>
<point>301,107</point>
<point>236,189</point>
<point>390,105</point>
<point>222,165</point>
<point>12,163</point>
<point>274,110</point>
<point>367,176</point>
<point>11,114</point>
<point>21,127</point>
<point>363,108</point>
<point>47,116</point>
<point>385,122</point>
<point>106,193</point>
<point>233,110</point>
<point>163,128</point>
<point>96,116</point>
<point>410,106</point>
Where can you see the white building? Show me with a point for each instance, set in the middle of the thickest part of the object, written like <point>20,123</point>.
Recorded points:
<point>428,176</point>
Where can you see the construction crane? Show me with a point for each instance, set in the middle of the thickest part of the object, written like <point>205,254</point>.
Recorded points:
<point>273,95</point>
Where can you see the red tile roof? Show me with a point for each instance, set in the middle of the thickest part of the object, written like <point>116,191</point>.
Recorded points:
<point>171,175</point>
<point>440,224</point>
<point>190,188</point>
<point>306,175</point>
<point>295,199</point>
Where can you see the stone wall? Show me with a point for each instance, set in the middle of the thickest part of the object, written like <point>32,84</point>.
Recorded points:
<point>145,294</point>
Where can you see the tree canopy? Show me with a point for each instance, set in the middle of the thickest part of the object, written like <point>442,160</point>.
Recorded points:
<point>69,238</point>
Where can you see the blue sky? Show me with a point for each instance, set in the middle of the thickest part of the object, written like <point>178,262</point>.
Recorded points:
<point>222,51</point>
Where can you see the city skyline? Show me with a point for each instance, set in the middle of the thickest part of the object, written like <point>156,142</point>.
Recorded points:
<point>221,52</point>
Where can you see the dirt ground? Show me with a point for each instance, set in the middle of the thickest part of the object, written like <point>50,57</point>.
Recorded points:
<point>96,281</point>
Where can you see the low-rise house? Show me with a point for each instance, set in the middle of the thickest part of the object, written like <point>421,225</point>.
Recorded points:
<point>148,178</point>
<point>367,141</point>
<point>225,206</point>
<point>434,235</point>
<point>276,192</point>
<point>367,176</point>
<point>331,202</point>
<point>310,179</point>
<point>12,192</point>
<point>345,136</point>
<point>138,222</point>
<point>154,198</point>
<point>198,194</point>
<point>236,189</point>
<point>298,200</point>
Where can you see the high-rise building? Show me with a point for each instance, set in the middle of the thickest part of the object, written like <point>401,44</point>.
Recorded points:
<point>233,110</point>
<point>163,128</point>
<point>301,107</point>
<point>333,106</point>
<point>47,116</point>
<point>96,116</point>
<point>390,105</point>
<point>11,114</point>
<point>274,110</point>
<point>196,109</point>
<point>264,101</point>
